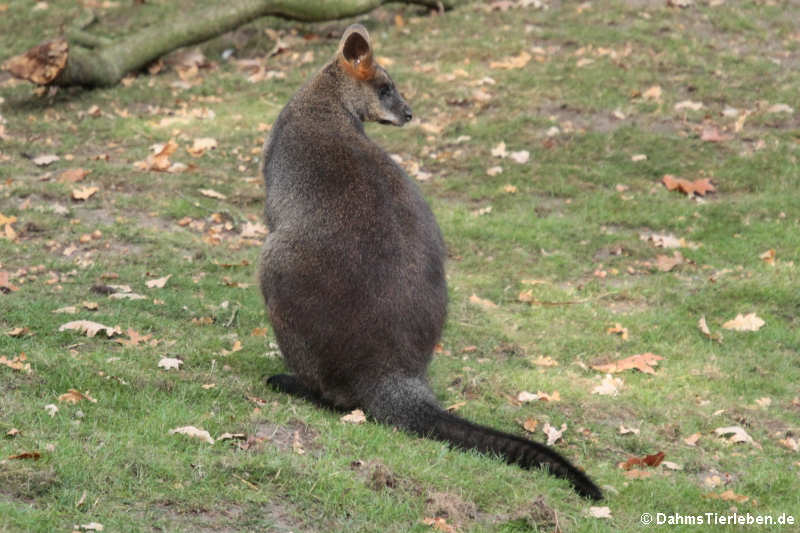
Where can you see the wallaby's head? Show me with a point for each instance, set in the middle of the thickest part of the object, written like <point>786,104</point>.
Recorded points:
<point>368,90</point>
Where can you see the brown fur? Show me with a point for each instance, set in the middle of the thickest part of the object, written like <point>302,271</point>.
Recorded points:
<point>352,271</point>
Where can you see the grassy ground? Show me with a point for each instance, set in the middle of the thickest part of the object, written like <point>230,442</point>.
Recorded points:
<point>572,222</point>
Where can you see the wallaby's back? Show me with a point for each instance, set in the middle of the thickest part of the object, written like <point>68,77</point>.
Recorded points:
<point>352,269</point>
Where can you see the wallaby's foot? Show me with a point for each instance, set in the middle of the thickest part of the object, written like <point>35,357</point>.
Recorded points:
<point>289,384</point>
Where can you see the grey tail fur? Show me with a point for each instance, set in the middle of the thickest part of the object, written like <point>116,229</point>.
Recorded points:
<point>409,404</point>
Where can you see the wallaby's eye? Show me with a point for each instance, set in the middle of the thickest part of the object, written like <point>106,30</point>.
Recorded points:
<point>384,91</point>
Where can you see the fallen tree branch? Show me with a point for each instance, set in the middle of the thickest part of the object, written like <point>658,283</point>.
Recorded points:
<point>83,59</point>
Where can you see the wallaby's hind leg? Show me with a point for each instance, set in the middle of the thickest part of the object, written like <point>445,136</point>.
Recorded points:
<point>289,384</point>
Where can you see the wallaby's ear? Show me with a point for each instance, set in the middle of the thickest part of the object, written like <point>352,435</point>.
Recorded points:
<point>355,53</point>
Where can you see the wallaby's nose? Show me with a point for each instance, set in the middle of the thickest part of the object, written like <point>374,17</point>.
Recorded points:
<point>407,116</point>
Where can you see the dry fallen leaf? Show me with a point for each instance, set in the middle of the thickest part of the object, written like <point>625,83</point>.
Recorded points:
<point>700,186</point>
<point>91,526</point>
<point>689,104</point>
<point>73,175</point>
<point>84,193</point>
<point>552,433</point>
<point>355,416</point>
<point>530,424</point>
<point>737,434</point>
<point>653,93</point>
<point>158,283</point>
<point>74,396</point>
<point>439,524</point>
<point>500,150</point>
<point>16,363</point>
<point>134,338</point>
<point>619,330</point>
<point>545,360</point>
<point>481,302</point>
<point>26,455</point>
<point>625,431</point>
<point>90,328</point>
<point>790,443</point>
<point>648,460</point>
<point>211,193</point>
<point>520,157</point>
<point>195,433</point>
<point>600,512</point>
<point>45,159</point>
<point>51,409</point>
<point>728,495</point>
<point>707,332</point>
<point>641,362</point>
<point>768,257</point>
<point>170,363</point>
<point>512,62</point>
<point>199,146</point>
<point>748,322</point>
<point>609,386</point>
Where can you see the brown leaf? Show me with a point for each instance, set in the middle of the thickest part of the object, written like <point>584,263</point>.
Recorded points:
<point>748,322</point>
<point>5,285</point>
<point>193,432</point>
<point>41,64</point>
<point>619,330</point>
<point>354,417</point>
<point>728,495</point>
<point>699,186</point>
<point>530,424</point>
<point>653,93</point>
<point>648,460</point>
<point>692,439</point>
<point>481,302</point>
<point>134,338</point>
<point>158,161</point>
<point>768,257</point>
<point>200,145</point>
<point>641,362</point>
<point>74,396</point>
<point>211,193</point>
<point>158,283</point>
<point>707,332</point>
<point>73,175</point>
<point>600,512</point>
<point>16,363</point>
<point>18,332</point>
<point>512,62</point>
<point>84,193</point>
<point>552,433</point>
<point>439,524</point>
<point>90,328</point>
<point>737,434</point>
<point>26,455</point>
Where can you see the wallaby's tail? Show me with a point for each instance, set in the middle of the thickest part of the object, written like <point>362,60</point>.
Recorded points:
<point>409,404</point>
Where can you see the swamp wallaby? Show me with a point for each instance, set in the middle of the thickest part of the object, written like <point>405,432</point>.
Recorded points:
<point>352,269</point>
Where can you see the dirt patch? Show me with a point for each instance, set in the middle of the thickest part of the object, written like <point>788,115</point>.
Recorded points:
<point>377,476</point>
<point>296,436</point>
<point>276,517</point>
<point>25,481</point>
<point>451,507</point>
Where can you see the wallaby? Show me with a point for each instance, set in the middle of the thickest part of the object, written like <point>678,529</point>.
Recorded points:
<point>352,268</point>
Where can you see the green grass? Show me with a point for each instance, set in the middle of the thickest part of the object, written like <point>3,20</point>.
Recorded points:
<point>567,225</point>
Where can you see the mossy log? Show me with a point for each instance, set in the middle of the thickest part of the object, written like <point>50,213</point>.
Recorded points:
<point>82,59</point>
